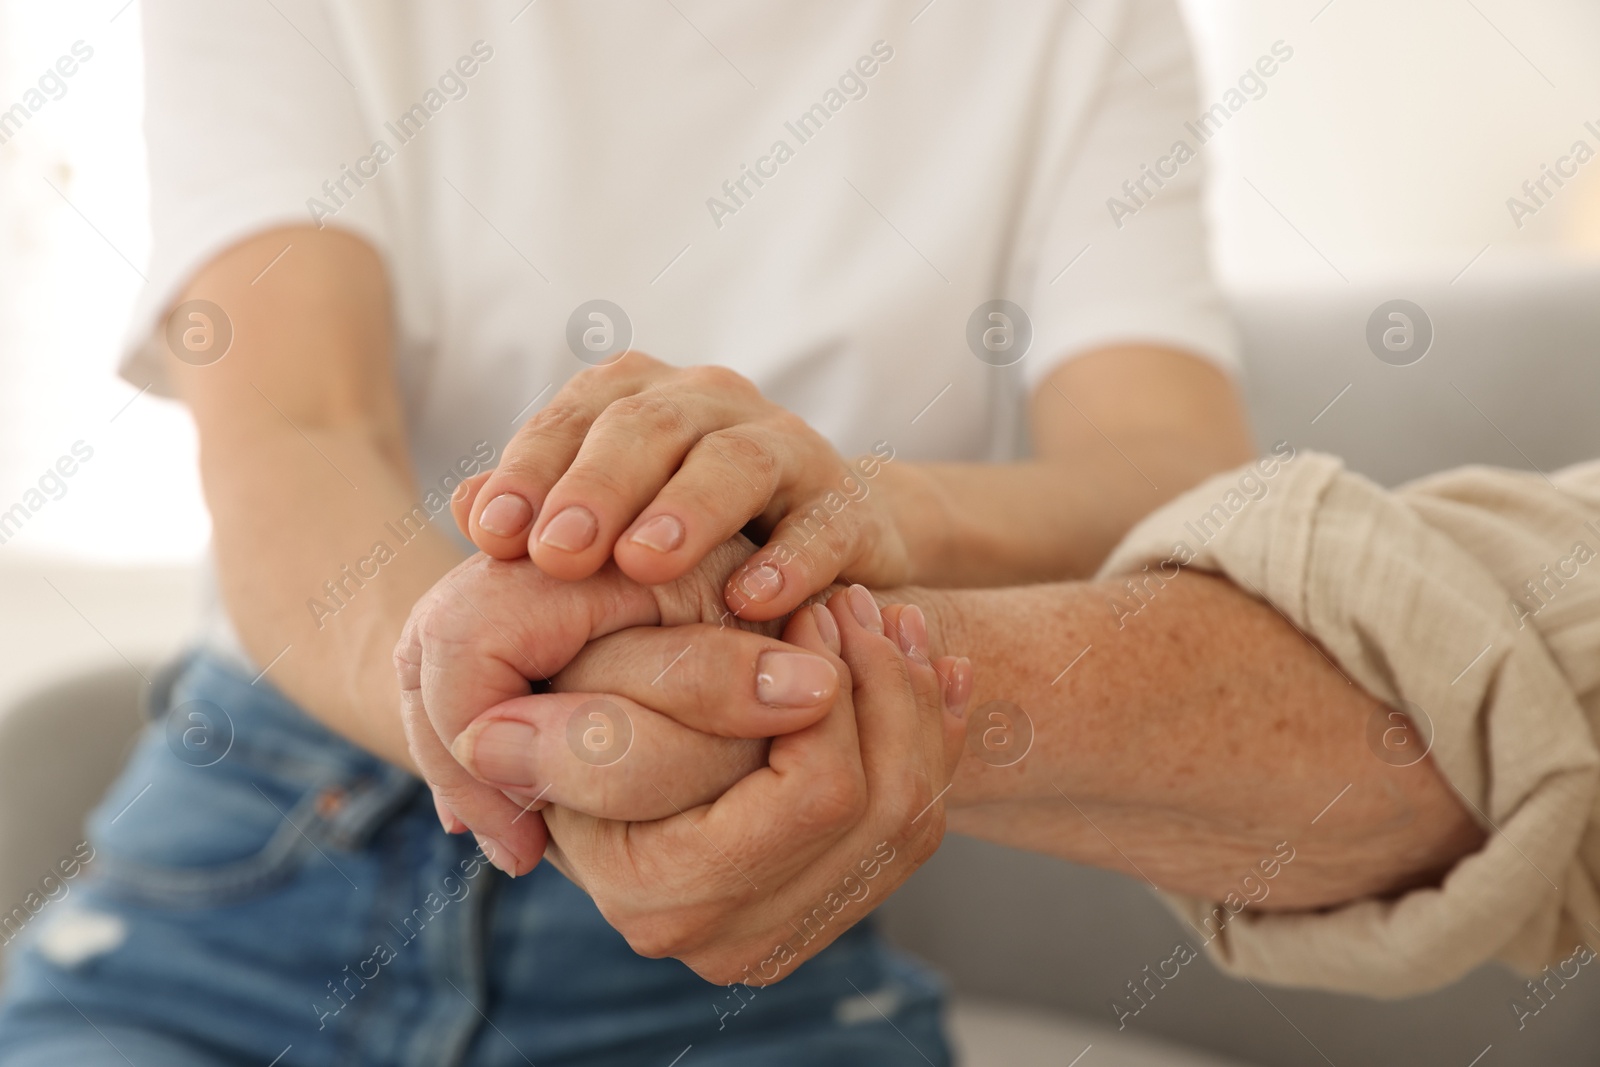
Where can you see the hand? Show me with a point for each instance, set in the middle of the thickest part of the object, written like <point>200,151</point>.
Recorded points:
<point>655,466</point>
<point>843,813</point>
<point>485,629</point>
<point>610,739</point>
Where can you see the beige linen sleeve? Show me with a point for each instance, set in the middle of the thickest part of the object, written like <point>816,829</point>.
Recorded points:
<point>1474,596</point>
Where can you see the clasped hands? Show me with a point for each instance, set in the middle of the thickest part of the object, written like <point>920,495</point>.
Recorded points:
<point>624,685</point>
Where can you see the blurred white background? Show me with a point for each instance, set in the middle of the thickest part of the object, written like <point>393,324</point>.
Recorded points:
<point>1394,136</point>
<point>73,238</point>
<point>1385,149</point>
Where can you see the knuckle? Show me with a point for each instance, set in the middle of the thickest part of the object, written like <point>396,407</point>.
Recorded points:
<point>713,377</point>
<point>817,532</point>
<point>836,539</point>
<point>407,653</point>
<point>560,417</point>
<point>625,367</point>
<point>555,429</point>
<point>694,597</point>
<point>459,797</point>
<point>626,409</point>
<point>744,448</point>
<point>655,936</point>
<point>643,415</point>
<point>596,480</point>
<point>584,382</point>
<point>789,424</point>
<point>633,361</point>
<point>444,624</point>
<point>430,624</point>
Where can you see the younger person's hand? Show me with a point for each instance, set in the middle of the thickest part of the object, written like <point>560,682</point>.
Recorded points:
<point>656,465</point>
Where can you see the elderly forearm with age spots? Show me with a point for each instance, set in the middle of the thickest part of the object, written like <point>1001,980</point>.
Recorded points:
<point>1185,745</point>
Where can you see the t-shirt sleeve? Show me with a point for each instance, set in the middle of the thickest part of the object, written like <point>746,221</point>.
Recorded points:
<point>1117,266</point>
<point>249,109</point>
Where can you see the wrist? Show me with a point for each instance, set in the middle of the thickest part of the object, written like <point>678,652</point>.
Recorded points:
<point>921,517</point>
<point>947,634</point>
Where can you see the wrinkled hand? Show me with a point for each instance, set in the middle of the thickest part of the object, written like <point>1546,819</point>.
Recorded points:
<point>656,466</point>
<point>487,628</point>
<point>843,813</point>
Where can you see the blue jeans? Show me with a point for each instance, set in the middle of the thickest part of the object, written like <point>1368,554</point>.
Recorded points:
<point>264,889</point>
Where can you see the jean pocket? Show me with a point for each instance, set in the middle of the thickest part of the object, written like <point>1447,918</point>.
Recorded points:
<point>230,791</point>
<point>173,834</point>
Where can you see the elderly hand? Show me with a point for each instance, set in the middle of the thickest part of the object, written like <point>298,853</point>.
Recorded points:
<point>748,886</point>
<point>656,466</point>
<point>487,628</point>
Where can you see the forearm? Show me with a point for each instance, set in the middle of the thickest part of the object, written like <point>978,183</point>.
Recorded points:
<point>1184,746</point>
<point>1116,433</point>
<point>978,524</point>
<point>321,573</point>
<point>306,472</point>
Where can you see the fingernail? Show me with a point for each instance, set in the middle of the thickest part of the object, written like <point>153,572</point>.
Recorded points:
<point>497,854</point>
<point>499,752</point>
<point>895,629</point>
<point>864,608</point>
<point>793,679</point>
<point>828,628</point>
<point>958,687</point>
<point>662,533</point>
<point>506,515</point>
<point>913,633</point>
<point>572,530</point>
<point>762,583</point>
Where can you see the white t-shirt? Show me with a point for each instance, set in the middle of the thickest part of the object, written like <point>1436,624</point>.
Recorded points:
<point>819,195</point>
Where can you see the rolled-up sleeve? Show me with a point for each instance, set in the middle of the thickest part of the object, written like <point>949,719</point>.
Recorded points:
<point>1436,596</point>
